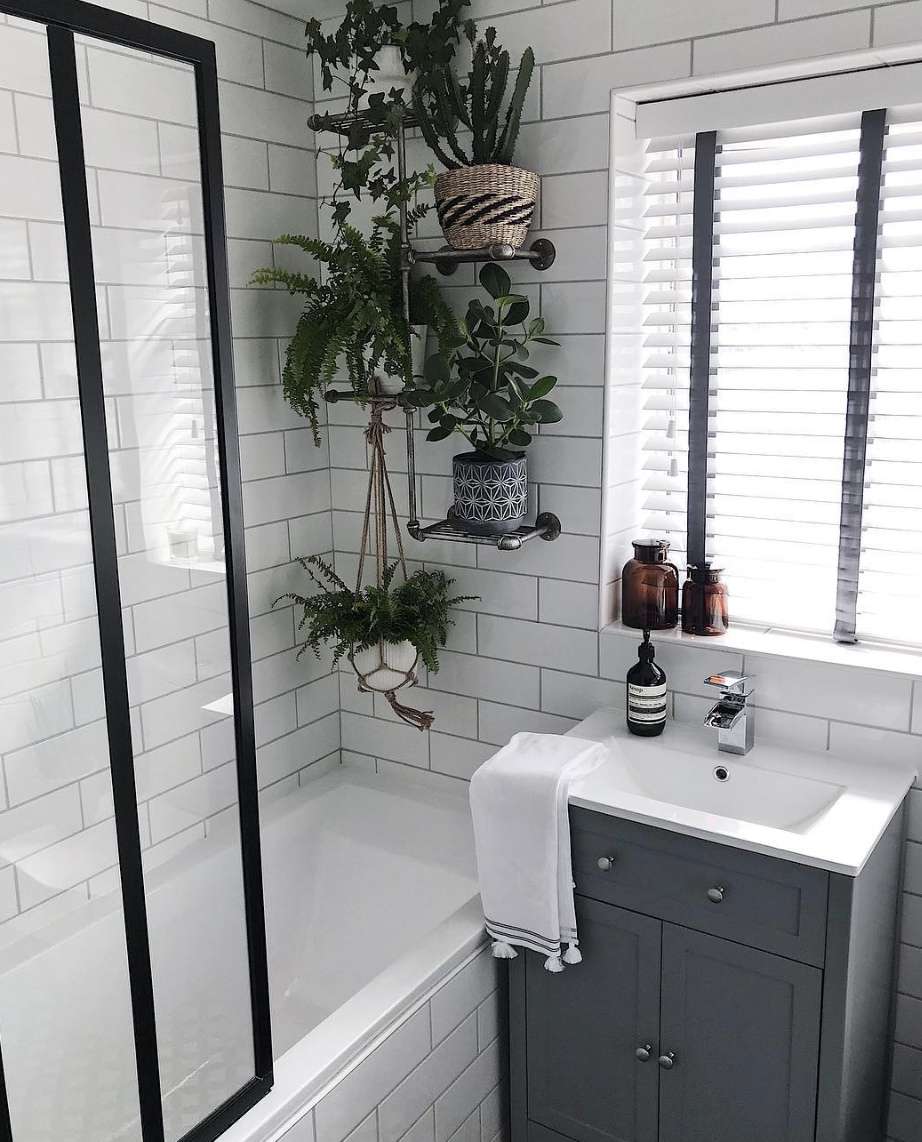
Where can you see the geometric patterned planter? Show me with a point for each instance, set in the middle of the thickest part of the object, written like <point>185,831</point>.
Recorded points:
<point>491,496</point>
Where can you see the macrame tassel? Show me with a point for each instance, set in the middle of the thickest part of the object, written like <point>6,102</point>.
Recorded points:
<point>553,964</point>
<point>573,955</point>
<point>503,951</point>
<point>421,719</point>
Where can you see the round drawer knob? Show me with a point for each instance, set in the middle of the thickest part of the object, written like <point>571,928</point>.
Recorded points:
<point>667,1061</point>
<point>645,1053</point>
<point>605,863</point>
<point>716,894</point>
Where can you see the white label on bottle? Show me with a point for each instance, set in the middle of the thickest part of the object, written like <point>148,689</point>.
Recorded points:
<point>646,703</point>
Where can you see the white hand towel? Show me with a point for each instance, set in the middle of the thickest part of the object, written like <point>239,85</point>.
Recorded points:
<point>519,801</point>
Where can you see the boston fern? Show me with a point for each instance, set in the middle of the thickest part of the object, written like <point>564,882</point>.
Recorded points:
<point>354,317</point>
<point>483,388</point>
<point>416,610</point>
<point>444,105</point>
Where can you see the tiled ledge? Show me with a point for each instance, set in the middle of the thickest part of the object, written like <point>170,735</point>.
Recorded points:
<point>776,643</point>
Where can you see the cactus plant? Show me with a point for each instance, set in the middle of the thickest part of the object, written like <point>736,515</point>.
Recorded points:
<point>444,104</point>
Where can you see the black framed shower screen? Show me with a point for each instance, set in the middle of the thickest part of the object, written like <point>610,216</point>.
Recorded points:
<point>64,20</point>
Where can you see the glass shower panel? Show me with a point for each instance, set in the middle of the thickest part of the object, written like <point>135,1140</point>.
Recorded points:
<point>65,1009</point>
<point>139,116</point>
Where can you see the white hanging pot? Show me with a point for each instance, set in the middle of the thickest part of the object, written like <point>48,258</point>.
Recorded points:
<point>389,75</point>
<point>386,665</point>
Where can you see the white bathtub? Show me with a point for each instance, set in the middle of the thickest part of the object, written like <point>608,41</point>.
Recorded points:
<point>370,901</point>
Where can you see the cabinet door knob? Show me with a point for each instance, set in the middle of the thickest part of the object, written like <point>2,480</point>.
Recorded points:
<point>716,894</point>
<point>645,1053</point>
<point>605,863</point>
<point>667,1061</point>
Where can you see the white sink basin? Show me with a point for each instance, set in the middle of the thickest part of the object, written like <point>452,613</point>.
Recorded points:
<point>712,785</point>
<point>814,808</point>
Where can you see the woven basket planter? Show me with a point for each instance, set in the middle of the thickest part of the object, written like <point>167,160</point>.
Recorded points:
<point>486,205</point>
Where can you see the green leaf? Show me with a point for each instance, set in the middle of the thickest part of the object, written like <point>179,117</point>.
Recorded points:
<point>496,407</point>
<point>520,437</point>
<point>535,326</point>
<point>541,387</point>
<point>418,398</point>
<point>546,341</point>
<point>495,280</point>
<point>438,434</point>
<point>525,371</point>
<point>518,312</point>
<point>547,411</point>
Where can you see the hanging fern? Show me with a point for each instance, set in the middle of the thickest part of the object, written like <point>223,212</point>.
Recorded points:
<point>353,318</point>
<point>334,615</point>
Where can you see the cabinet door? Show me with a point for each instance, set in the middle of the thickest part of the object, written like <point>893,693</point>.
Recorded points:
<point>585,1024</point>
<point>743,1026</point>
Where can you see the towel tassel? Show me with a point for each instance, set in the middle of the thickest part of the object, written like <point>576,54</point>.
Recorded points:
<point>503,951</point>
<point>573,955</point>
<point>553,964</point>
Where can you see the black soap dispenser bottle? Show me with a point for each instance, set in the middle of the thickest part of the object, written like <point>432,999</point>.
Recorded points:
<point>646,693</point>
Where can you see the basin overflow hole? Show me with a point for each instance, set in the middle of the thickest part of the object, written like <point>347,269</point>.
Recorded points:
<point>722,773</point>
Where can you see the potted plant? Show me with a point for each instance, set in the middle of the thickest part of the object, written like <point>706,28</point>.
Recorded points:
<point>482,199</point>
<point>485,391</point>
<point>382,629</point>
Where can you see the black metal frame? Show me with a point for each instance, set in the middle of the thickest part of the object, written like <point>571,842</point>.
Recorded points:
<point>700,374</point>
<point>860,357</point>
<point>63,18</point>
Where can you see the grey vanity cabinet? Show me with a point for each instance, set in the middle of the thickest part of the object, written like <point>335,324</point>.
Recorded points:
<point>586,1025</point>
<point>723,996</point>
<point>743,1026</point>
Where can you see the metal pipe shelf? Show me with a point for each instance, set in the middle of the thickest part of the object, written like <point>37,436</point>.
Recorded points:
<point>546,526</point>
<point>541,254</point>
<point>341,121</point>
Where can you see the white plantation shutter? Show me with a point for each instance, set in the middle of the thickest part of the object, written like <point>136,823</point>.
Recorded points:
<point>666,318</point>
<point>890,580</point>
<point>784,229</point>
<point>781,309</point>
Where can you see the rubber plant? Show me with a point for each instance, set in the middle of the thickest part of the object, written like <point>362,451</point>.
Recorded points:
<point>485,391</point>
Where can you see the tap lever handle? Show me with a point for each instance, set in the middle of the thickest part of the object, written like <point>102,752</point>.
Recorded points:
<point>730,681</point>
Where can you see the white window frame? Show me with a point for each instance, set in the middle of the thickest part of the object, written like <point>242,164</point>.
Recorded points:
<point>805,89</point>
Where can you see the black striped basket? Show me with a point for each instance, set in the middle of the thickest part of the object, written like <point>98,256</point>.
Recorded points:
<point>486,205</point>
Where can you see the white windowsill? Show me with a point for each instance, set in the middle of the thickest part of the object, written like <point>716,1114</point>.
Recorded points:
<point>778,643</point>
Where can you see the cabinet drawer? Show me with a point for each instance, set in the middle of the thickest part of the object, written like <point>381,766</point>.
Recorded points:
<point>762,901</point>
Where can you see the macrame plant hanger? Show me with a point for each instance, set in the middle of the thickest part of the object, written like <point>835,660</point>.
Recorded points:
<point>380,501</point>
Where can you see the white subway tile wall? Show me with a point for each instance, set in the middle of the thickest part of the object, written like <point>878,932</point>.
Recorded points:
<point>139,116</point>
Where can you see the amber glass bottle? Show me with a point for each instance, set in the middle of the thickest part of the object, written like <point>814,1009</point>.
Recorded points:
<point>704,601</point>
<point>650,587</point>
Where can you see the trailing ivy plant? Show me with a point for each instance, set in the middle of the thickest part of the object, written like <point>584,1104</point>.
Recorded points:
<point>445,105</point>
<point>484,389</point>
<point>416,610</point>
<point>354,316</point>
<point>347,56</point>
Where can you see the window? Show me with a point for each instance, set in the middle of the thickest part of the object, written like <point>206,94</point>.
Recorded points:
<point>782,433</point>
